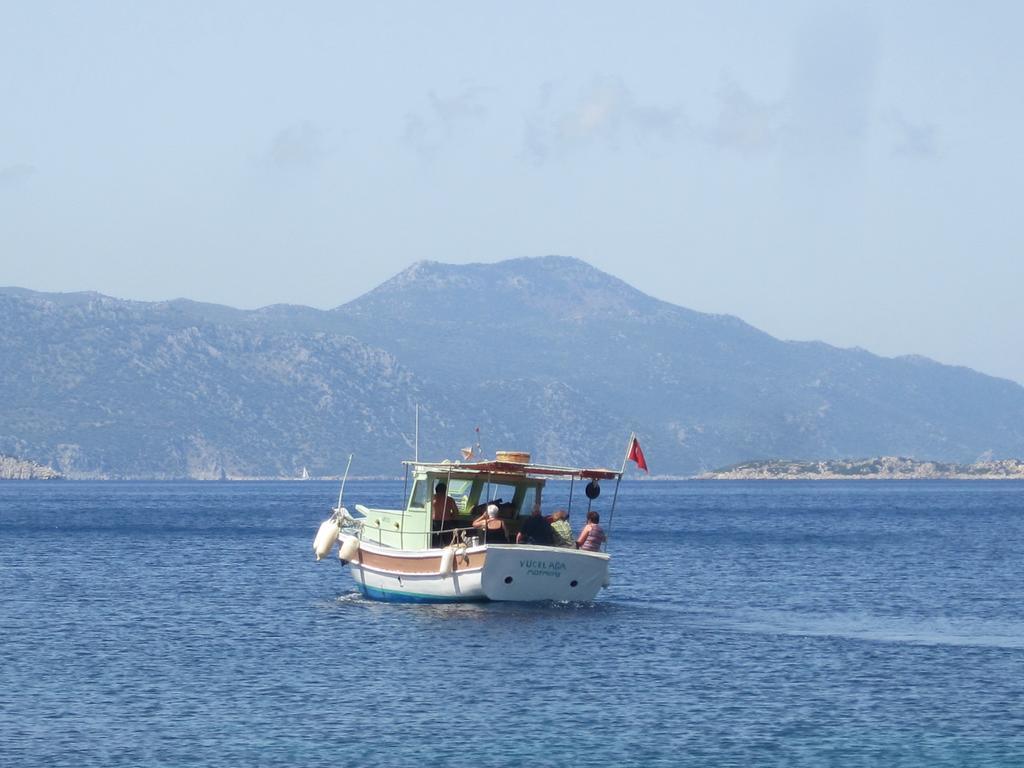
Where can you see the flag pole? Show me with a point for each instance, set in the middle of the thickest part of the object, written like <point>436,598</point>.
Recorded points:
<point>632,437</point>
<point>615,495</point>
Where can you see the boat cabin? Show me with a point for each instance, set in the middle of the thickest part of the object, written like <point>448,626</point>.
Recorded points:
<point>513,486</point>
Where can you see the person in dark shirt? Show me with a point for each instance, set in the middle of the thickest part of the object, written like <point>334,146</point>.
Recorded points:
<point>535,530</point>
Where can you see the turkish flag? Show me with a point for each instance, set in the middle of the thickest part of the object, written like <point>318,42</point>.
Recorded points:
<point>636,454</point>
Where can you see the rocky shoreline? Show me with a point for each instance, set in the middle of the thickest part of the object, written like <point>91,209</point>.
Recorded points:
<point>878,468</point>
<point>12,468</point>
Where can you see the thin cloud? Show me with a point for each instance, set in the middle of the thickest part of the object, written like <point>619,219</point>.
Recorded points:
<point>428,130</point>
<point>297,146</point>
<point>834,78</point>
<point>537,138</point>
<point>465,106</point>
<point>14,175</point>
<point>743,123</point>
<point>607,112</point>
<point>914,140</point>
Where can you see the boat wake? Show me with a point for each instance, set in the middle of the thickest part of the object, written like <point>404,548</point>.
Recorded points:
<point>935,631</point>
<point>473,611</point>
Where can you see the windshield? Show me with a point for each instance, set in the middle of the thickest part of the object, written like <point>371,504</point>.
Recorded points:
<point>459,491</point>
<point>513,498</point>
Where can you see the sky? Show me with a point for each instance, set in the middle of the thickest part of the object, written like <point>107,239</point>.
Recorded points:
<point>845,172</point>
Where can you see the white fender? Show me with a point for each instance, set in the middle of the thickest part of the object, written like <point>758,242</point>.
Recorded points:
<point>325,538</point>
<point>349,550</point>
<point>447,559</point>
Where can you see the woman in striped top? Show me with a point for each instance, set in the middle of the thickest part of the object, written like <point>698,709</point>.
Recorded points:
<point>592,536</point>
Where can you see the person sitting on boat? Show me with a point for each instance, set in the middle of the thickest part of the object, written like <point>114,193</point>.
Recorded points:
<point>535,530</point>
<point>494,528</point>
<point>561,529</point>
<point>592,536</point>
<point>442,510</point>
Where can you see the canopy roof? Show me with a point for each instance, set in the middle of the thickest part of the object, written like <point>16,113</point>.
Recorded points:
<point>513,468</point>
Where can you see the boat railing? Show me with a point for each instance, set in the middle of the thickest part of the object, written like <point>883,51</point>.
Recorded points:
<point>374,532</point>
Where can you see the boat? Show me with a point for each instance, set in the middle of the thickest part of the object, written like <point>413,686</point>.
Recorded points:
<point>305,474</point>
<point>398,555</point>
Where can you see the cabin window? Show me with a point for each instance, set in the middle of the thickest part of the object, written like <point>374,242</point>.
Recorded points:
<point>495,491</point>
<point>529,499</point>
<point>418,499</point>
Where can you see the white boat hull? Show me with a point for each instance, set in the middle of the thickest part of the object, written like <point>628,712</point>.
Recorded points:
<point>503,572</point>
<point>527,572</point>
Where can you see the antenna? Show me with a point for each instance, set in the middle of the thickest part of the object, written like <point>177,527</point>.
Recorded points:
<point>416,448</point>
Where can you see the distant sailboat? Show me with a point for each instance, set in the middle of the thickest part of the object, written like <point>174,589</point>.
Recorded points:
<point>305,474</point>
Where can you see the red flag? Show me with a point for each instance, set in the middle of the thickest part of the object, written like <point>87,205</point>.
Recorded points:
<point>636,454</point>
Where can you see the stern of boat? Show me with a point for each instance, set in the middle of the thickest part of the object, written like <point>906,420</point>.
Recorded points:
<point>527,573</point>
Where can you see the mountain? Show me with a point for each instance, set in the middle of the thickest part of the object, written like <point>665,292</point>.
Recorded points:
<point>546,354</point>
<point>99,387</point>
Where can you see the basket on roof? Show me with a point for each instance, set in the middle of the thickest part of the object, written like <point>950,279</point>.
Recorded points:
<point>515,457</point>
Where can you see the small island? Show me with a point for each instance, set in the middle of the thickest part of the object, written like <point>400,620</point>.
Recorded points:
<point>879,468</point>
<point>12,468</point>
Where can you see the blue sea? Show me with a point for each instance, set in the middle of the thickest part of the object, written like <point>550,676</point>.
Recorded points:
<point>747,624</point>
